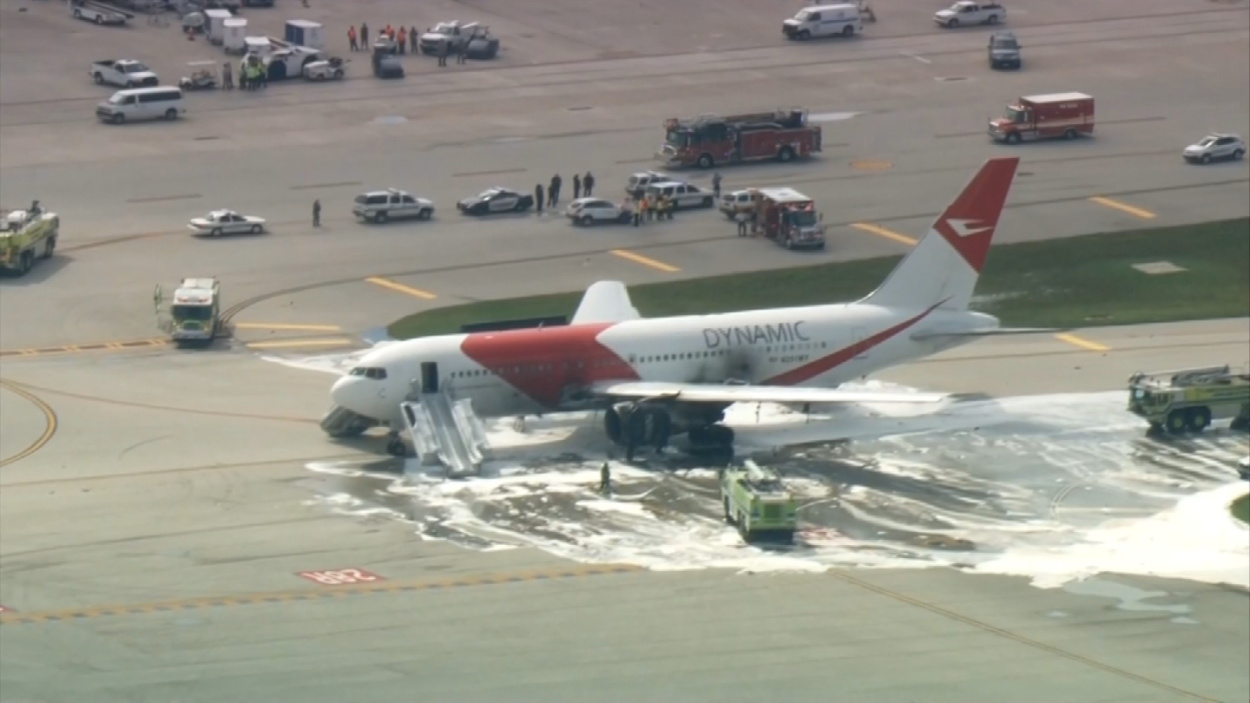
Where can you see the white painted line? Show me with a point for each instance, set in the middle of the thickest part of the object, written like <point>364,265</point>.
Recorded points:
<point>921,59</point>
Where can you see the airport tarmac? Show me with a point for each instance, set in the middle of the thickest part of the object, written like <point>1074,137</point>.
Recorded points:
<point>168,528</point>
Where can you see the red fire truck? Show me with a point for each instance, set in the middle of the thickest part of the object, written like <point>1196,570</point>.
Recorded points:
<point>1034,117</point>
<point>712,140</point>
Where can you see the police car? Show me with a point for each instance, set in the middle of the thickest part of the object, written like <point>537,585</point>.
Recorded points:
<point>219,222</point>
<point>382,205</point>
<point>496,200</point>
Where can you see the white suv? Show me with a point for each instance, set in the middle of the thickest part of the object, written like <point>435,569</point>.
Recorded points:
<point>738,201</point>
<point>593,211</point>
<point>682,194</point>
<point>637,183</point>
<point>382,205</point>
<point>1215,147</point>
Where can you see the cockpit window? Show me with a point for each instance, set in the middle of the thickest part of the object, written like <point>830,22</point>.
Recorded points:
<point>376,374</point>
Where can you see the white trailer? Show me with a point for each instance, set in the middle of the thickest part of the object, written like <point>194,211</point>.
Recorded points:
<point>305,33</point>
<point>234,40</point>
<point>215,25</point>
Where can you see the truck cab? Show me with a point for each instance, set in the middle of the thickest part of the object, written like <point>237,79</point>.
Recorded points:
<point>757,502</point>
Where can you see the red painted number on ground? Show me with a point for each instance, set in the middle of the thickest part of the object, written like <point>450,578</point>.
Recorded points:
<point>3,609</point>
<point>340,577</point>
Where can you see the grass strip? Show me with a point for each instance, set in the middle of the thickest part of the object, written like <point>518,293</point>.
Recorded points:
<point>1082,281</point>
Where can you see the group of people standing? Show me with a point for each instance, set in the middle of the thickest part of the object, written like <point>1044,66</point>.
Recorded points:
<point>404,39</point>
<point>583,186</point>
<point>253,74</point>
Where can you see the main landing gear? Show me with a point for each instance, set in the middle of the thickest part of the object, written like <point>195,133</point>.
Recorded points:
<point>639,425</point>
<point>395,445</point>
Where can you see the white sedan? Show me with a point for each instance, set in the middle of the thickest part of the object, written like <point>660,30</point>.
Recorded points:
<point>219,222</point>
<point>593,211</point>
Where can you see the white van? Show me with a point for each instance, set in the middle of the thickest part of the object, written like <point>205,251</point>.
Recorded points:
<point>841,20</point>
<point>162,102</point>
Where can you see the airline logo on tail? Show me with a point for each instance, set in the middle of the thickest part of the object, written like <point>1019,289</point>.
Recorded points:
<point>969,223</point>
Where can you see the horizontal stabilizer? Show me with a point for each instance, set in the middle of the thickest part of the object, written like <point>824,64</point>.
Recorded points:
<point>722,393</point>
<point>605,301</point>
<point>989,332</point>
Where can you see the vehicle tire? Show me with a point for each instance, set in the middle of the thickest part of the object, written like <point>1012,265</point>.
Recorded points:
<point>803,35</point>
<point>1176,422</point>
<point>519,207</point>
<point>26,263</point>
<point>1206,158</point>
<point>952,24</point>
<point>585,220</point>
<point>706,161</point>
<point>338,75</point>
<point>425,214</point>
<point>1238,154</point>
<point>789,243</point>
<point>709,201</point>
<point>1013,138</point>
<point>1070,134</point>
<point>98,78</point>
<point>993,19</point>
<point>49,247</point>
<point>257,229</point>
<point>119,118</point>
<point>171,114</point>
<point>379,218</point>
<point>1197,419</point>
<point>98,20</point>
<point>786,154</point>
<point>215,232</point>
<point>848,31</point>
<point>77,15</point>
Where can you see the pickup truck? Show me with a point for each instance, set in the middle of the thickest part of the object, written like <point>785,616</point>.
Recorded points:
<point>966,12</point>
<point>126,73</point>
<point>100,14</point>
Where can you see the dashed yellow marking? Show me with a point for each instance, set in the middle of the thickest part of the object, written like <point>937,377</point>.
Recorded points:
<point>1082,343</point>
<point>84,348</point>
<point>401,288</point>
<point>283,326</point>
<point>1124,207</point>
<point>645,261</point>
<point>871,165</point>
<point>334,342</point>
<point>883,232</point>
<point>320,593</point>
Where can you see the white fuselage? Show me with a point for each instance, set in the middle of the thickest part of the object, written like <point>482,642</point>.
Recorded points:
<point>536,371</point>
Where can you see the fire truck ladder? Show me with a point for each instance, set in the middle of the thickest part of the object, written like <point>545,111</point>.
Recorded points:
<point>446,431</point>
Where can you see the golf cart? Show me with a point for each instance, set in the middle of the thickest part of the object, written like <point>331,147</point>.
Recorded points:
<point>329,69</point>
<point>203,76</point>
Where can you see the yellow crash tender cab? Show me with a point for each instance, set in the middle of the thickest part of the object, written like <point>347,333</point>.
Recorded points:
<point>1179,402</point>
<point>756,501</point>
<point>26,236</point>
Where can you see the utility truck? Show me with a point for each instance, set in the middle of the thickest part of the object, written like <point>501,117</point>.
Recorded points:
<point>194,312</point>
<point>126,73</point>
<point>966,13</point>
<point>756,501</point>
<point>1185,401</point>
<point>26,236</point>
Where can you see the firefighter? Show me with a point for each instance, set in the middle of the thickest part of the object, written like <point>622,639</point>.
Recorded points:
<point>538,198</point>
<point>402,38</point>
<point>351,38</point>
<point>588,184</point>
<point>317,212</point>
<point>605,479</point>
<point>577,186</point>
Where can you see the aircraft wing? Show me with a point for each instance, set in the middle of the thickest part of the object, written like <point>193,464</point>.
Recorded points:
<point>723,393</point>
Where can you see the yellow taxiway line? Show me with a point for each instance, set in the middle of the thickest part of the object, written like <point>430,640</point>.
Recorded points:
<point>89,347</point>
<point>281,326</point>
<point>883,232</point>
<point>49,417</point>
<point>323,593</point>
<point>1082,343</point>
<point>1123,207</point>
<point>645,261</point>
<point>401,288</point>
<point>293,343</point>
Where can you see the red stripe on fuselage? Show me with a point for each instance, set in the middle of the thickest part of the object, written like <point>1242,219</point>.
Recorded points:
<point>543,362</point>
<point>812,369</point>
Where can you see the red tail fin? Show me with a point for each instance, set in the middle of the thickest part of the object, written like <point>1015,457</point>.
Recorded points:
<point>969,223</point>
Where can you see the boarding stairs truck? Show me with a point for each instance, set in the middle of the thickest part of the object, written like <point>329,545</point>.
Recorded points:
<point>444,431</point>
<point>1179,402</point>
<point>789,218</point>
<point>1053,116</point>
<point>194,314</point>
<point>758,503</point>
<point>98,13</point>
<point>715,140</point>
<point>27,236</point>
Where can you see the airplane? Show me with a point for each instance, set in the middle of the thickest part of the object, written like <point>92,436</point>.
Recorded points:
<point>661,377</point>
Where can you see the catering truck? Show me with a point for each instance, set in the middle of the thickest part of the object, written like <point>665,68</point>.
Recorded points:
<point>194,312</point>
<point>1178,402</point>
<point>712,140</point>
<point>756,501</point>
<point>788,217</point>
<point>1034,117</point>
<point>26,236</point>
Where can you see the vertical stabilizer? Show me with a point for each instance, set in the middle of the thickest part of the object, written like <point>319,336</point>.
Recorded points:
<point>942,269</point>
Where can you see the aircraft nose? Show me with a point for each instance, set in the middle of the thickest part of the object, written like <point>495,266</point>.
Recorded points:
<point>346,393</point>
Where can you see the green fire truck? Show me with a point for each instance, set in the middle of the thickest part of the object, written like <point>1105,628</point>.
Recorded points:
<point>1177,402</point>
<point>26,236</point>
<point>758,503</point>
<point>194,312</point>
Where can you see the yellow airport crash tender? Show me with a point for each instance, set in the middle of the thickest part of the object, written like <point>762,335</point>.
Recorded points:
<point>757,502</point>
<point>194,312</point>
<point>1183,401</point>
<point>26,236</point>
